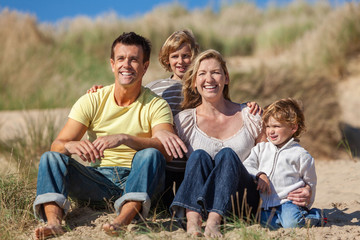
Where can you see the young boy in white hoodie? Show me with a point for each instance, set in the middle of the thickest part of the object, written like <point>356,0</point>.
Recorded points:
<point>281,165</point>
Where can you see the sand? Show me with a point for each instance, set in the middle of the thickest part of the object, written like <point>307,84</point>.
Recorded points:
<point>338,194</point>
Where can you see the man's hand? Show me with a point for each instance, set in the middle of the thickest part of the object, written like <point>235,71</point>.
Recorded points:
<point>301,196</point>
<point>173,145</point>
<point>84,149</point>
<point>110,141</point>
<point>254,108</point>
<point>264,184</point>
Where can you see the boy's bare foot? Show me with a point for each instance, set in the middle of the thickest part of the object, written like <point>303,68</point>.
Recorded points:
<point>212,229</point>
<point>193,226</point>
<point>48,231</point>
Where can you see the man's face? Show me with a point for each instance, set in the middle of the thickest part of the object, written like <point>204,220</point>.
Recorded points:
<point>127,65</point>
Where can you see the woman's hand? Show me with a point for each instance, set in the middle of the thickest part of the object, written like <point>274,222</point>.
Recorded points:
<point>173,145</point>
<point>301,196</point>
<point>254,108</point>
<point>94,88</point>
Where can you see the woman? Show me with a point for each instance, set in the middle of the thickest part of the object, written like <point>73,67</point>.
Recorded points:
<point>219,135</point>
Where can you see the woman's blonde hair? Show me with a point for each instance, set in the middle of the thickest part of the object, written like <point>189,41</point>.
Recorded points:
<point>192,98</point>
<point>173,42</point>
<point>286,111</point>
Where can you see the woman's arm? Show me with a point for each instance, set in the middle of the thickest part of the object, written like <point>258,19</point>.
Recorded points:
<point>301,196</point>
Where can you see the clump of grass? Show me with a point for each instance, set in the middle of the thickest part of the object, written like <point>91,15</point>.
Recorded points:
<point>17,189</point>
<point>279,35</point>
<point>17,193</point>
<point>30,141</point>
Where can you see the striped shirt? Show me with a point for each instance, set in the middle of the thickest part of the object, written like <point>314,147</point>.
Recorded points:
<point>170,90</point>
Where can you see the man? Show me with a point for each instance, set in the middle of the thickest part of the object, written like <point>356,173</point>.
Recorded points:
<point>127,164</point>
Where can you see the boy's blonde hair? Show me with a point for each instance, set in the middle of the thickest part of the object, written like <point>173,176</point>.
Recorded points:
<point>286,111</point>
<point>173,42</point>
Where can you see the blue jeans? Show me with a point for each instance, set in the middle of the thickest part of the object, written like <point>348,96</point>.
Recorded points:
<point>289,215</point>
<point>61,176</point>
<point>209,184</point>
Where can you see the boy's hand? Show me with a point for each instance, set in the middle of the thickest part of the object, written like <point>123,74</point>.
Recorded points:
<point>264,184</point>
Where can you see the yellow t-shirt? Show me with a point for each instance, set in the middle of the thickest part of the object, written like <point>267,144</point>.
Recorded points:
<point>100,113</point>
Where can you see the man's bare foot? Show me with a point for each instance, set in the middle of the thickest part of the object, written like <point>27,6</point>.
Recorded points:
<point>48,231</point>
<point>127,214</point>
<point>113,228</point>
<point>193,226</point>
<point>212,229</point>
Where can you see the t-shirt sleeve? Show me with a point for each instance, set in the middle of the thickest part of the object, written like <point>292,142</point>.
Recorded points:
<point>83,110</point>
<point>160,113</point>
<point>252,122</point>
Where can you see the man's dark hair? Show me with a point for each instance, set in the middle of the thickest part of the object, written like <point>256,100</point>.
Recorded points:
<point>132,38</point>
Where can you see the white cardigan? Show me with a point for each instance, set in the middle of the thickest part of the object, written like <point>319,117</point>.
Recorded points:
<point>287,168</point>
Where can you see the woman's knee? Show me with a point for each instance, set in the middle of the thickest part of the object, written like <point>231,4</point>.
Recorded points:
<point>200,157</point>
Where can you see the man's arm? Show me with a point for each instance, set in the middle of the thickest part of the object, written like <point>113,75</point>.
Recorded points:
<point>69,142</point>
<point>134,142</point>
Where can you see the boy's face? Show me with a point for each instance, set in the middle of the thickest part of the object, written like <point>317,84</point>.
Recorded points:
<point>180,60</point>
<point>279,132</point>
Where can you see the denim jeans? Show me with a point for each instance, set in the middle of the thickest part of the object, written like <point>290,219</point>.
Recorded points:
<point>289,215</point>
<point>209,184</point>
<point>61,176</point>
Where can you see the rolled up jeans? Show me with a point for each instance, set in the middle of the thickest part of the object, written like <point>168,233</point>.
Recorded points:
<point>61,176</point>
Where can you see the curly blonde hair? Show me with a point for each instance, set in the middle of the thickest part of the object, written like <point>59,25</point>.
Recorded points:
<point>287,111</point>
<point>173,42</point>
<point>192,98</point>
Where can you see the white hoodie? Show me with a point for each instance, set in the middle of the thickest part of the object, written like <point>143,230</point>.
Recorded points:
<point>287,168</point>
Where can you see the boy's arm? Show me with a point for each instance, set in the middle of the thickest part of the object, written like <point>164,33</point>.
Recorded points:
<point>252,162</point>
<point>308,173</point>
<point>263,184</point>
<point>305,196</point>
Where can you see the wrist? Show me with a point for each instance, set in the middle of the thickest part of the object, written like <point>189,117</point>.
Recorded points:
<point>258,175</point>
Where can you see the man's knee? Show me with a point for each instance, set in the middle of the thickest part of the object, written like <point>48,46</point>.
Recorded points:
<point>149,156</point>
<point>50,160</point>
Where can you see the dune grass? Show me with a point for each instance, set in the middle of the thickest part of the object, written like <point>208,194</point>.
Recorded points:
<point>50,66</point>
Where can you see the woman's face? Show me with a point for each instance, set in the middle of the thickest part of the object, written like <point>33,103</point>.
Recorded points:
<point>211,79</point>
<point>180,60</point>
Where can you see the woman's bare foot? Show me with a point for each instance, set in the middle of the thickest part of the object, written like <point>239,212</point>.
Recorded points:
<point>48,231</point>
<point>193,226</point>
<point>212,229</point>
